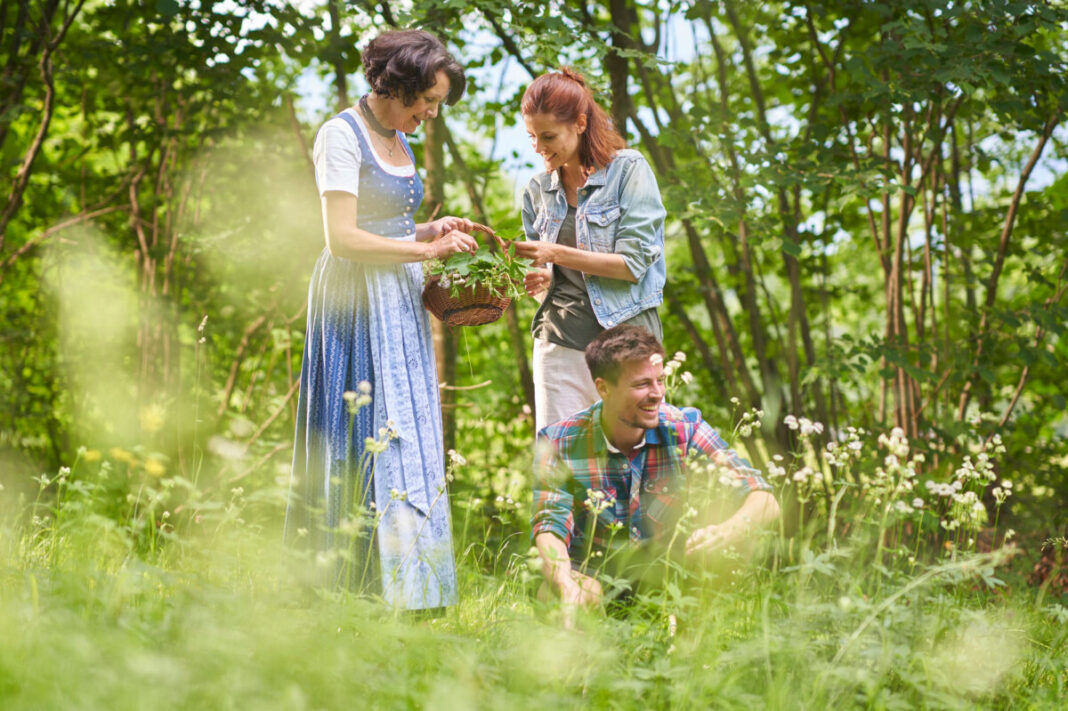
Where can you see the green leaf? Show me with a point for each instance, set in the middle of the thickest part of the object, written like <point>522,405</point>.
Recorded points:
<point>167,8</point>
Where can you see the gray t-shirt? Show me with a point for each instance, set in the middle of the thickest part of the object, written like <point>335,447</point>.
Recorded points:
<point>566,316</point>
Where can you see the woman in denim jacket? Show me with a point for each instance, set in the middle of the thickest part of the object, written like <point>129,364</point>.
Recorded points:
<point>595,220</point>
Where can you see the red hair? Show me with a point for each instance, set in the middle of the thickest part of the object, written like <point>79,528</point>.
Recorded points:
<point>565,96</point>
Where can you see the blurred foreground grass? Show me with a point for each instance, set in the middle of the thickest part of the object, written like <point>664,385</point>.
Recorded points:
<point>113,597</point>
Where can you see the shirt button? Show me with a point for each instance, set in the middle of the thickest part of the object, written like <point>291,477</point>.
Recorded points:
<point>597,301</point>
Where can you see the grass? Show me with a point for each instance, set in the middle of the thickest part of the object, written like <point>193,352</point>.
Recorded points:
<point>121,589</point>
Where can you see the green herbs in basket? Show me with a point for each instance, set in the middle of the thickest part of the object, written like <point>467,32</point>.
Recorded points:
<point>499,270</point>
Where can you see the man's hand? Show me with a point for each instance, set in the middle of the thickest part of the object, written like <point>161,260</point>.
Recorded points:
<point>758,510</point>
<point>713,539</point>
<point>572,587</point>
<point>578,589</point>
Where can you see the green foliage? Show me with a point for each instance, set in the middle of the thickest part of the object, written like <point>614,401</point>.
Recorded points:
<point>498,270</point>
<point>181,588</point>
<point>153,346</point>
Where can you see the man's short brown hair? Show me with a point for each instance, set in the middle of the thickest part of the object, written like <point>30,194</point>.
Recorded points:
<point>606,354</point>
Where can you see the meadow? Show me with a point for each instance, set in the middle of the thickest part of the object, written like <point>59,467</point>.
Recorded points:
<point>123,586</point>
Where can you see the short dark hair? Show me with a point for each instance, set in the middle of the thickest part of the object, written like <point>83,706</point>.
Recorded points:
<point>403,63</point>
<point>607,352</point>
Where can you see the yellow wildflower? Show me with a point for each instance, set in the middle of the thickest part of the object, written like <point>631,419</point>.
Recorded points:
<point>154,467</point>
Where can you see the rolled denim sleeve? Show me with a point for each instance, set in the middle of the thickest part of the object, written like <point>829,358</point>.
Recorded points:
<point>528,214</point>
<point>640,237</point>
<point>553,503</point>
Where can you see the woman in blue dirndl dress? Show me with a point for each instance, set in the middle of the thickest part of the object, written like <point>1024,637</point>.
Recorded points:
<point>368,493</point>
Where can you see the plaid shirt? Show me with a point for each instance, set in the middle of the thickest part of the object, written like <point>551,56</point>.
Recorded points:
<point>578,475</point>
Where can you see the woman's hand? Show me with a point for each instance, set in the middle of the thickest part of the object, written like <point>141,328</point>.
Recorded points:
<point>537,280</point>
<point>537,250</point>
<point>451,243</point>
<point>444,225</point>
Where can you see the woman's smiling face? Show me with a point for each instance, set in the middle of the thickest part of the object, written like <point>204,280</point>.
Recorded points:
<point>425,107</point>
<point>557,143</point>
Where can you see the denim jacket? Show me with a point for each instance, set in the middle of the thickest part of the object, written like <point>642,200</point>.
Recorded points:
<point>619,211</point>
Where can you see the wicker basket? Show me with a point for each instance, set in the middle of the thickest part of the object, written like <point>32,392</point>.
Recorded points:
<point>473,306</point>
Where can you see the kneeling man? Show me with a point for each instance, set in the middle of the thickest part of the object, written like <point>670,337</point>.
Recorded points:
<point>623,471</point>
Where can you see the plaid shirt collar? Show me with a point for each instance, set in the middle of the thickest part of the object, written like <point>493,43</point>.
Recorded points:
<point>655,436</point>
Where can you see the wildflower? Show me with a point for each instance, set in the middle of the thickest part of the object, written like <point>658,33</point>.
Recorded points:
<point>203,324</point>
<point>790,421</point>
<point>735,401</point>
<point>679,356</point>
<point>91,455</point>
<point>151,418</point>
<point>1010,533</point>
<point>121,455</point>
<point>917,503</point>
<point>154,467</point>
<point>364,387</point>
<point>363,401</point>
<point>687,377</point>
<point>656,359</point>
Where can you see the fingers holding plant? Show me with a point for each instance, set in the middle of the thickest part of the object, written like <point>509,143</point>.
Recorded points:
<point>451,243</point>
<point>535,250</point>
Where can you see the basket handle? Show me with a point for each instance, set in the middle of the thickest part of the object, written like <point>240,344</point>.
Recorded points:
<point>489,230</point>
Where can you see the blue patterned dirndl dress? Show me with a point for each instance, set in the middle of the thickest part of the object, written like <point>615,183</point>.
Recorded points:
<point>378,523</point>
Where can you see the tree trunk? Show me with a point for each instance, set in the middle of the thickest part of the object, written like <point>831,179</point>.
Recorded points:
<point>444,338</point>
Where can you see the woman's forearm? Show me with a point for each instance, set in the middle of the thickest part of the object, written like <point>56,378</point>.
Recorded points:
<point>362,246</point>
<point>610,266</point>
